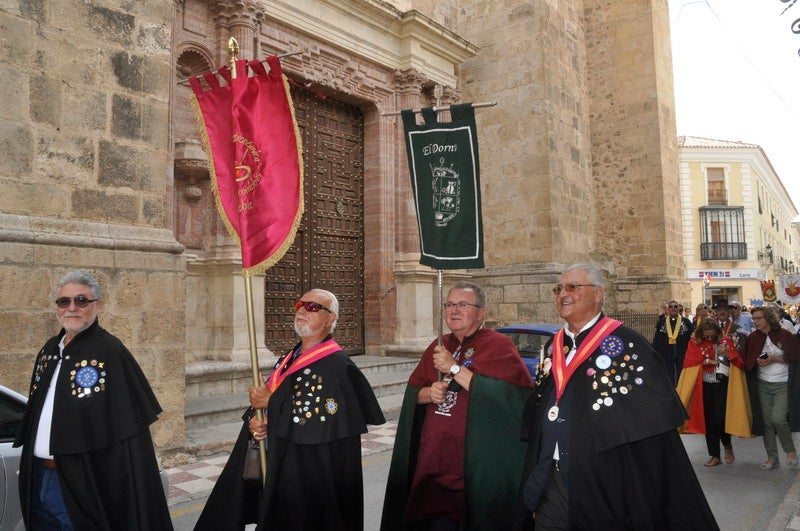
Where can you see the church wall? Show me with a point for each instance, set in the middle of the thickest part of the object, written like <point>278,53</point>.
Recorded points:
<point>634,151</point>
<point>83,177</point>
<point>538,198</point>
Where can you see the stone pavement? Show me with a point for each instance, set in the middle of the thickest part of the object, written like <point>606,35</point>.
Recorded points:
<point>195,480</point>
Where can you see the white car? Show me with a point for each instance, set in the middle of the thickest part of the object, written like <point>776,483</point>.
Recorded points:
<point>12,406</point>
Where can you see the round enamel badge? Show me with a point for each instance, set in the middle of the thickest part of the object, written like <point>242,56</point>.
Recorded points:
<point>87,376</point>
<point>612,346</point>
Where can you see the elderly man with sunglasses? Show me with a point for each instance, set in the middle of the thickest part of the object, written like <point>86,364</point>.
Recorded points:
<point>603,450</point>
<point>87,455</point>
<point>457,455</point>
<point>317,403</point>
<point>671,339</point>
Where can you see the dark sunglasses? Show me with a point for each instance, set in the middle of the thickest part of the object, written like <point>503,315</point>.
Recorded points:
<point>310,306</point>
<point>80,301</point>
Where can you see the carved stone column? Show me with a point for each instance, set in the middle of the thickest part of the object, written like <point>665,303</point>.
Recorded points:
<point>238,19</point>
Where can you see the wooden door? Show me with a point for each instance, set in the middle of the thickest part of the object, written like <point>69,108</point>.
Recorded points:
<point>328,251</point>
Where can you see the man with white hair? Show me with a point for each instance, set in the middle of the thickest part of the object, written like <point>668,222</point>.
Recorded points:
<point>316,404</point>
<point>87,455</point>
<point>604,451</point>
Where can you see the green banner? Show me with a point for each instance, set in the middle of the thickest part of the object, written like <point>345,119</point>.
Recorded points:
<point>445,179</point>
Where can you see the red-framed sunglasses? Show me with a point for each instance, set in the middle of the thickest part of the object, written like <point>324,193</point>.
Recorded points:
<point>310,306</point>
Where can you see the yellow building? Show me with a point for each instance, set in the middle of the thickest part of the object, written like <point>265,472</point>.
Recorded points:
<point>737,220</point>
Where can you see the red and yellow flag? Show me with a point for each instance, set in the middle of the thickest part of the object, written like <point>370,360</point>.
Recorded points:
<point>768,290</point>
<point>250,135</point>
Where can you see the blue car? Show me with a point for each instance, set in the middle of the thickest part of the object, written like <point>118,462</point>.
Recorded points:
<point>530,340</point>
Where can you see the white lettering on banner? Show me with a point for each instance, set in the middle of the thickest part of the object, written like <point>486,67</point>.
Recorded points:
<point>432,149</point>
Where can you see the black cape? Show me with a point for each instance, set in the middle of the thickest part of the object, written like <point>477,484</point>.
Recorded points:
<point>100,435</point>
<point>314,480</point>
<point>672,355</point>
<point>628,468</point>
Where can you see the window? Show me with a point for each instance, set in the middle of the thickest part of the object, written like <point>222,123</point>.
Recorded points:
<point>11,412</point>
<point>722,233</point>
<point>715,179</point>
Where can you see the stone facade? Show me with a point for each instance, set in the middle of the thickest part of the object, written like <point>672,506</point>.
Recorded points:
<point>84,169</point>
<point>578,163</point>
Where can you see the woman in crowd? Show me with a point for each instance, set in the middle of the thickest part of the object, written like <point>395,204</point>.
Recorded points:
<point>700,313</point>
<point>770,357</point>
<point>711,383</point>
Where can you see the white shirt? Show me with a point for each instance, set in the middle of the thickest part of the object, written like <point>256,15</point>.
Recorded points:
<point>41,447</point>
<point>774,372</point>
<point>571,355</point>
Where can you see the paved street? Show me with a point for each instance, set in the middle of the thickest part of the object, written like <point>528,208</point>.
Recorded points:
<point>742,496</point>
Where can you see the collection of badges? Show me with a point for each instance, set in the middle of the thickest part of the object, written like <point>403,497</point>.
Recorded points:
<point>42,362</point>
<point>451,397</point>
<point>613,372</point>
<point>87,377</point>
<point>306,400</point>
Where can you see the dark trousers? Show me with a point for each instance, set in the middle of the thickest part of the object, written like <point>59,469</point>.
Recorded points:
<point>715,395</point>
<point>552,514</point>
<point>48,512</point>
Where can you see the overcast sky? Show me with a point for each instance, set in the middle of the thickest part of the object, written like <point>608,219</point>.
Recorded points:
<point>737,76</point>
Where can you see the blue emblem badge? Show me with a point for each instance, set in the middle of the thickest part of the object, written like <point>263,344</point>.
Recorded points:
<point>87,377</point>
<point>612,346</point>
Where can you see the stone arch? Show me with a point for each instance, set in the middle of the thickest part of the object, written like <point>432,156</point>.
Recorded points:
<point>193,60</point>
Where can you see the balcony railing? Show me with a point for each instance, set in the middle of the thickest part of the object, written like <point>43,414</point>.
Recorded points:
<point>723,251</point>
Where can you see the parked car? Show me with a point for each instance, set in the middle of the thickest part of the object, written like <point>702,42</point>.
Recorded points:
<point>12,406</point>
<point>530,340</point>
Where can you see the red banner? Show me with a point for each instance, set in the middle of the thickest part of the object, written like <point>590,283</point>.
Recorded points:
<point>251,138</point>
<point>768,290</point>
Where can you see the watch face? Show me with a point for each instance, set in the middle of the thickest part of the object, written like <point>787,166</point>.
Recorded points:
<point>455,369</point>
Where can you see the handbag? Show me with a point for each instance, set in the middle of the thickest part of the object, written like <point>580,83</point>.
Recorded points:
<point>251,472</point>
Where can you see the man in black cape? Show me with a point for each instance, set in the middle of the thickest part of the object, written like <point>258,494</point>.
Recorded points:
<point>671,339</point>
<point>604,451</point>
<point>318,403</point>
<point>87,427</point>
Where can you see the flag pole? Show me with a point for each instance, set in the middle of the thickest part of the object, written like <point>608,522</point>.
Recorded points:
<point>437,92</point>
<point>233,48</point>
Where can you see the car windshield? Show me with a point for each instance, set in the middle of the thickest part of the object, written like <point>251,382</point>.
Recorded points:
<point>528,344</point>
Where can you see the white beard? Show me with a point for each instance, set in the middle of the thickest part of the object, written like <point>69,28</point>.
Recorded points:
<point>303,330</point>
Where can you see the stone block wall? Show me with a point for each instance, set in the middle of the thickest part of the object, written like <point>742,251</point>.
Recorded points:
<point>83,175</point>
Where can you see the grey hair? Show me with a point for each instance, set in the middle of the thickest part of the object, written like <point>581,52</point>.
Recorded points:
<point>592,272</point>
<point>333,304</point>
<point>83,278</point>
<point>480,295</point>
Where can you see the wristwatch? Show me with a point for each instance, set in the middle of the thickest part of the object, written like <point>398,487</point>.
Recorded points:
<point>455,369</point>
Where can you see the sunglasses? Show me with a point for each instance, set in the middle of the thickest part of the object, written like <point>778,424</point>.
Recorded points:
<point>80,301</point>
<point>569,288</point>
<point>673,306</point>
<point>310,306</point>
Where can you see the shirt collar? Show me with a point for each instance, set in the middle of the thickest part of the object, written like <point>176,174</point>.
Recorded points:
<point>587,326</point>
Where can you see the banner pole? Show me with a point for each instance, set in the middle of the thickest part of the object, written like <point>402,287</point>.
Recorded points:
<point>233,48</point>
<point>436,108</point>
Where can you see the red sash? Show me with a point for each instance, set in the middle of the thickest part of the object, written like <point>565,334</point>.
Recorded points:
<point>315,353</point>
<point>563,372</point>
